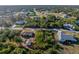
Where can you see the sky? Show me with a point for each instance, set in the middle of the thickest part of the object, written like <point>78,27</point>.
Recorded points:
<point>39,2</point>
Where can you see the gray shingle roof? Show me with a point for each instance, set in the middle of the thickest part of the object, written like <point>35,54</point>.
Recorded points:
<point>65,37</point>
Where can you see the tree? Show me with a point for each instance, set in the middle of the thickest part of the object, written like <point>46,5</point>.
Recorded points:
<point>11,35</point>
<point>19,51</point>
<point>39,36</point>
<point>18,39</point>
<point>50,51</point>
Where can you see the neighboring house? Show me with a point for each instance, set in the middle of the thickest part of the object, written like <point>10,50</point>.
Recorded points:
<point>77,22</point>
<point>68,26</point>
<point>20,22</point>
<point>65,16</point>
<point>65,38</point>
<point>36,18</point>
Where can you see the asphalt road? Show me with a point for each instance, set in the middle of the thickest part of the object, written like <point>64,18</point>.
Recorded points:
<point>1,28</point>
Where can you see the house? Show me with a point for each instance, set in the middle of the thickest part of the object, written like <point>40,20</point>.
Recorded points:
<point>77,22</point>
<point>20,22</point>
<point>27,35</point>
<point>68,26</point>
<point>66,39</point>
<point>28,38</point>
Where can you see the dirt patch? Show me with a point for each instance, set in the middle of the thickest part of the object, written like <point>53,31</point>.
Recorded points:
<point>74,49</point>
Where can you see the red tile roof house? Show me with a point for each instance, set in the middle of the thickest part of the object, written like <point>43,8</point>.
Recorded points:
<point>28,39</point>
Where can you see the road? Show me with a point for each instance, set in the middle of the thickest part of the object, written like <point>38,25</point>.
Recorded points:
<point>2,28</point>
